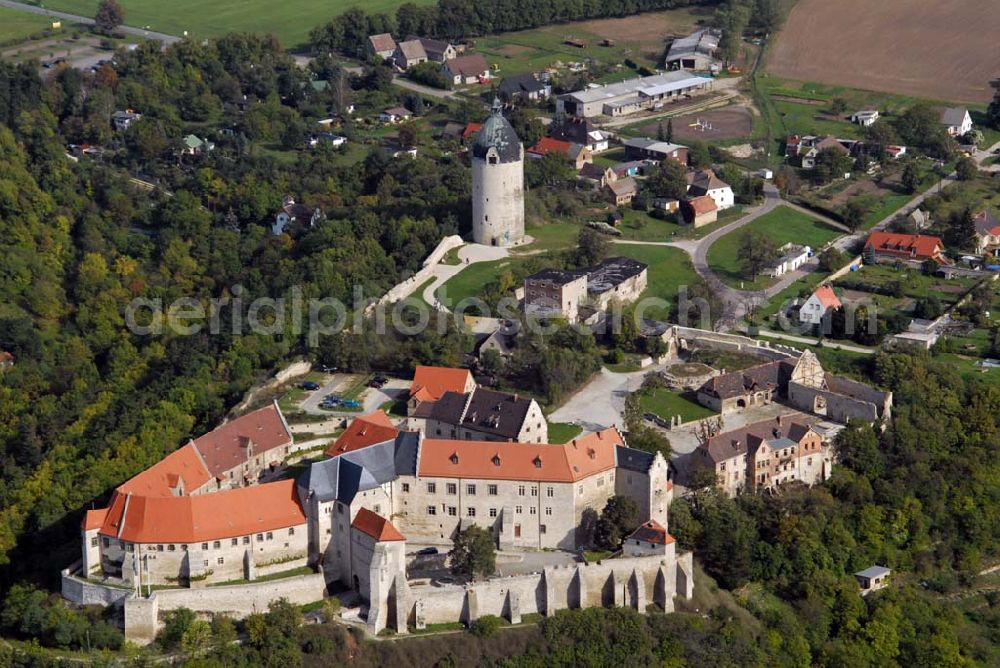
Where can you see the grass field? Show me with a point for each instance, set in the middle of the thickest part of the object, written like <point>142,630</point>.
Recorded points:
<point>781,226</point>
<point>563,432</point>
<point>17,25</point>
<point>289,21</point>
<point>668,403</point>
<point>669,269</point>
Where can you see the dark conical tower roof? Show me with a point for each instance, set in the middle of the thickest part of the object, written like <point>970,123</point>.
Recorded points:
<point>497,133</point>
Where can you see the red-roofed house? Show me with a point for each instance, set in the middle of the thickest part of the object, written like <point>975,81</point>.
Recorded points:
<point>6,360</point>
<point>917,247</point>
<point>241,450</point>
<point>577,153</point>
<point>821,301</point>
<point>431,382</point>
<point>364,431</point>
<point>470,130</point>
<point>648,539</point>
<point>987,232</point>
<point>375,526</point>
<point>699,211</point>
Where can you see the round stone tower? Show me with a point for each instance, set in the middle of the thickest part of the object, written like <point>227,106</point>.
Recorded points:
<point>497,182</point>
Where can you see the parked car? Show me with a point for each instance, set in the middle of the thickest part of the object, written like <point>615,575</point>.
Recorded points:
<point>427,551</point>
<point>309,385</point>
<point>351,403</point>
<point>377,382</point>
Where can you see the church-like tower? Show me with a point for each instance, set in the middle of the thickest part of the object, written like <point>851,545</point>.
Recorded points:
<point>497,182</point>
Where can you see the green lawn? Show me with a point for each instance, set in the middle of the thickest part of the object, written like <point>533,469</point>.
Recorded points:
<point>470,281</point>
<point>563,432</point>
<point>668,403</point>
<point>669,269</point>
<point>640,226</point>
<point>289,21</point>
<point>550,237</point>
<point>16,25</point>
<point>781,226</point>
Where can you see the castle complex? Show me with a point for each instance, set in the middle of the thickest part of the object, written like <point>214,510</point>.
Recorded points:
<point>222,509</point>
<point>497,182</point>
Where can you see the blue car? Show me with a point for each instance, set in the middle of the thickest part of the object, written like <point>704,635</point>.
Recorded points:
<point>351,403</point>
<point>309,385</point>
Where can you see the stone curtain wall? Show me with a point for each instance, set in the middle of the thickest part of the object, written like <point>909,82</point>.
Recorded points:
<point>404,289</point>
<point>694,338</point>
<point>84,592</point>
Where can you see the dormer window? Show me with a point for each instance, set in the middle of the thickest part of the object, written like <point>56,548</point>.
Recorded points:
<point>537,461</point>
<point>454,458</point>
<point>496,460</point>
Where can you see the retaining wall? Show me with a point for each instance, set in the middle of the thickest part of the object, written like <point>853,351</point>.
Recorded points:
<point>85,592</point>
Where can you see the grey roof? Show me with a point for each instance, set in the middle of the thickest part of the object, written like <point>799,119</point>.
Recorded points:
<point>985,221</point>
<point>954,116</point>
<point>412,50</point>
<point>633,86</point>
<point>432,47</point>
<point>750,437</point>
<point>647,144</point>
<point>780,443</point>
<point>521,83</point>
<point>613,272</point>
<point>557,276</point>
<point>342,477</point>
<point>482,410</point>
<point>633,460</point>
<point>497,133</point>
<point>704,42</point>
<point>873,572</point>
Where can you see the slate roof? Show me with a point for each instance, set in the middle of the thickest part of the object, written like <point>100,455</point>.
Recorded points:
<point>483,410</point>
<point>557,276</point>
<point>521,83</point>
<point>592,171</point>
<point>341,478</point>
<point>702,181</point>
<point>855,390</point>
<point>613,271</point>
<point>784,432</point>
<point>497,133</point>
<point>633,460</point>
<point>953,116</point>
<point>434,48</point>
<point>770,375</point>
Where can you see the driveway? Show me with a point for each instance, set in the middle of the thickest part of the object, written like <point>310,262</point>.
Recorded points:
<point>600,403</point>
<point>467,254</point>
<point>423,90</point>
<point>86,20</point>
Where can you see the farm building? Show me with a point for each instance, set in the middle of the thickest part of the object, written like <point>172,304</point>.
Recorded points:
<point>409,53</point>
<point>628,97</point>
<point>382,45</point>
<point>436,50</point>
<point>865,117</point>
<point>623,191</point>
<point>705,182</point>
<point>695,52</point>
<point>792,257</point>
<point>651,149</point>
<point>524,86</point>
<point>699,211</point>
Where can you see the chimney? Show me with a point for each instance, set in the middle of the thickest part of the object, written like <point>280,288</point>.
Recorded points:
<point>736,444</point>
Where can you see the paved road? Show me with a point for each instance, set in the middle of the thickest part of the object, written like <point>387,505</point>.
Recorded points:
<point>85,20</point>
<point>467,254</point>
<point>811,340</point>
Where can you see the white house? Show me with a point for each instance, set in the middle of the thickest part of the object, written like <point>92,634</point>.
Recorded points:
<point>291,212</point>
<point>469,69</point>
<point>122,120</point>
<point>865,117</point>
<point>395,115</point>
<point>793,257</point>
<point>956,121</point>
<point>822,300</point>
<point>707,183</point>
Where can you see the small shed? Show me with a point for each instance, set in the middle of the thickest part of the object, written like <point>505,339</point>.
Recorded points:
<point>872,579</point>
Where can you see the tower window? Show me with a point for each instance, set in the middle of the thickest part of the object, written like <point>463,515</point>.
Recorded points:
<point>493,160</point>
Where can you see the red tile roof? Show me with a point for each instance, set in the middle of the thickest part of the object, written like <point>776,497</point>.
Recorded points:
<point>94,519</point>
<point>375,526</point>
<point>539,462</point>
<point>190,519</point>
<point>471,129</point>
<point>827,297</point>
<point>702,205</point>
<point>431,382</point>
<point>548,145</point>
<point>917,246</point>
<point>224,448</point>
<point>162,478</point>
<point>652,532</point>
<point>364,431</point>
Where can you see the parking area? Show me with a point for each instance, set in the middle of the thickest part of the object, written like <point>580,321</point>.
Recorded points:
<point>354,400</point>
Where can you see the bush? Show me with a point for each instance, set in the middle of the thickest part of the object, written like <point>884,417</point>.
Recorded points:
<point>486,626</point>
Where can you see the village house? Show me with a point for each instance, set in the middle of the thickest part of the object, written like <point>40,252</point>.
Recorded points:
<point>382,45</point>
<point>437,51</point>
<point>321,138</point>
<point>525,87</point>
<point>291,212</point>
<point>632,95</point>
<point>666,204</point>
<point>502,341</point>
<point>865,117</point>
<point>764,455</point>
<point>698,51</point>
<point>956,121</point>
<point>582,131</point>
<point>705,182</point>
<point>872,579</point>
<point>123,120</point>
<point>792,257</point>
<point>650,538</point>
<point>801,383</point>
<point>820,302</point>
<point>631,168</point>
<point>890,247</point>
<point>987,233</point>
<point>920,334</point>
<point>194,145</point>
<point>395,115</point>
<point>409,53</point>
<point>813,146</point>
<point>6,360</point>
<point>469,69</point>
<point>699,211</point>
<point>578,154</point>
<point>596,175</point>
<point>623,191</point>
<point>651,149</point>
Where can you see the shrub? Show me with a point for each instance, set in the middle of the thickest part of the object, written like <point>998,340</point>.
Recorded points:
<point>486,626</point>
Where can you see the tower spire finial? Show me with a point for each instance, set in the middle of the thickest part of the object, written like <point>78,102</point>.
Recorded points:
<point>497,108</point>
